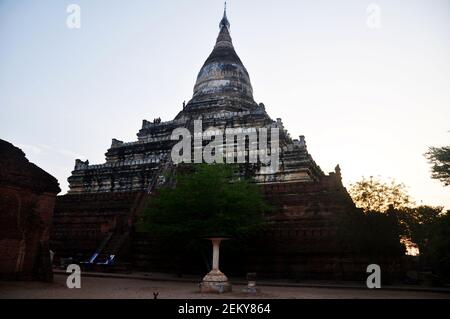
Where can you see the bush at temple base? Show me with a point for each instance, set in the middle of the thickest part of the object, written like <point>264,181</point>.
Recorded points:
<point>207,201</point>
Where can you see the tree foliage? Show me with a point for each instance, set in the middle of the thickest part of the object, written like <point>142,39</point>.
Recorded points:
<point>429,228</point>
<point>417,223</point>
<point>439,158</point>
<point>438,246</point>
<point>371,233</point>
<point>374,195</point>
<point>207,201</point>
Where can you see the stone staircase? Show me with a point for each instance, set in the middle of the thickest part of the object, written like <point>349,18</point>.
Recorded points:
<point>112,247</point>
<point>162,175</point>
<point>111,251</point>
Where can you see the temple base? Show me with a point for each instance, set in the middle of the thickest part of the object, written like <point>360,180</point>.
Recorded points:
<point>215,282</point>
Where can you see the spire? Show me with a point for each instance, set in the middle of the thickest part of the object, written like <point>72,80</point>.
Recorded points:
<point>223,74</point>
<point>224,22</point>
<point>224,50</point>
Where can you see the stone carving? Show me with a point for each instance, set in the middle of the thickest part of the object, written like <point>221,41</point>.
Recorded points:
<point>116,143</point>
<point>302,141</point>
<point>80,165</point>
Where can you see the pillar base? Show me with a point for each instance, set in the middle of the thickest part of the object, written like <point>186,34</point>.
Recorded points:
<point>215,282</point>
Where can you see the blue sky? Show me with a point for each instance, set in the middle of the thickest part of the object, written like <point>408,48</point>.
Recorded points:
<point>371,100</point>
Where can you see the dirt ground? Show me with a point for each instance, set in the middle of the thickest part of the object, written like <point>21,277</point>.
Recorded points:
<point>111,288</point>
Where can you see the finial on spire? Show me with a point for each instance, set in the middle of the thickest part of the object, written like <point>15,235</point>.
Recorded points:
<point>224,22</point>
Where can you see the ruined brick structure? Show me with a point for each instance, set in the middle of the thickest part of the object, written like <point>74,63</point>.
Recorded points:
<point>27,199</point>
<point>103,198</point>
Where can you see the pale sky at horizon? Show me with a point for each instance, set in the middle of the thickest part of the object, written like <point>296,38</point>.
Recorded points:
<point>371,100</point>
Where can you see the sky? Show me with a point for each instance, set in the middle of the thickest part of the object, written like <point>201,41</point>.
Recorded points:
<point>369,96</point>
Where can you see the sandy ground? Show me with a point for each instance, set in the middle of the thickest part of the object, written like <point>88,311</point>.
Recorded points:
<point>96,288</point>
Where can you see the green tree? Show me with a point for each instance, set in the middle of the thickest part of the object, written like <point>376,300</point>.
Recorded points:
<point>418,223</point>
<point>208,200</point>
<point>429,228</point>
<point>439,158</point>
<point>438,248</point>
<point>371,233</point>
<point>373,194</point>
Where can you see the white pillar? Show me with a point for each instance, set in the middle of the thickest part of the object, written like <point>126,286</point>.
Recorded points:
<point>215,281</point>
<point>216,249</point>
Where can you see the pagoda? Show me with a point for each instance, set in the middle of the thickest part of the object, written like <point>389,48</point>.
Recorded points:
<point>98,215</point>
